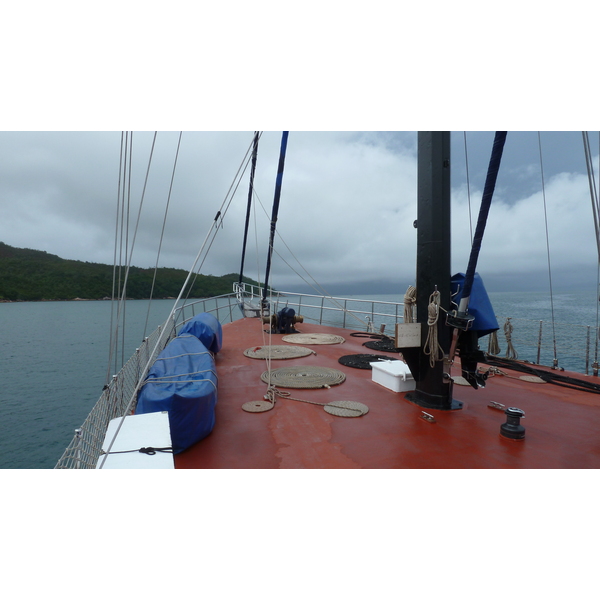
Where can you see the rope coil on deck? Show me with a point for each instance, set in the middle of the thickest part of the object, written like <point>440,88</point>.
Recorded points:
<point>338,408</point>
<point>303,377</point>
<point>363,361</point>
<point>277,352</point>
<point>313,338</point>
<point>384,345</point>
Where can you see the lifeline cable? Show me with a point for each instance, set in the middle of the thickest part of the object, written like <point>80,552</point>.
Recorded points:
<point>548,377</point>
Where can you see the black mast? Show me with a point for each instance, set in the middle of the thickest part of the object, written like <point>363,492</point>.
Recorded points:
<point>278,182</point>
<point>433,384</point>
<point>250,193</point>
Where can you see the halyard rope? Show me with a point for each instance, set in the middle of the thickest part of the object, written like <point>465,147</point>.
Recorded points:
<point>510,349</point>
<point>410,299</point>
<point>432,347</point>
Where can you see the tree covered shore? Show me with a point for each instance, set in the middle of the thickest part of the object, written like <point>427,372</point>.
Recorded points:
<point>35,275</point>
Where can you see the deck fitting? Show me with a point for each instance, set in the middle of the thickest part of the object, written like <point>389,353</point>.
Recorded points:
<point>513,429</point>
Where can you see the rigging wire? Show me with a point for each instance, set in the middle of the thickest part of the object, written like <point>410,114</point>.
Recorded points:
<point>112,341</point>
<point>249,204</point>
<point>121,305</point>
<point>162,233</point>
<point>125,208</point>
<point>591,182</point>
<point>596,215</point>
<point>555,363</point>
<point>137,223</point>
<point>315,285</point>
<point>222,212</point>
<point>169,320</point>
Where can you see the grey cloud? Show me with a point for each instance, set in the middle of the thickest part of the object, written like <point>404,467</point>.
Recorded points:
<point>347,206</point>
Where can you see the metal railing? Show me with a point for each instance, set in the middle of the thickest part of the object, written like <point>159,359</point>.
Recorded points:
<point>343,312</point>
<point>576,347</point>
<point>85,448</point>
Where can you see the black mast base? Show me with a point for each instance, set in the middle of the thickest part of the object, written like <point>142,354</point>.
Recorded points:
<point>432,401</point>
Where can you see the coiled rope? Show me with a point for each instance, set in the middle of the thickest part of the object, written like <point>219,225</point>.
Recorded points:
<point>410,300</point>
<point>339,408</point>
<point>511,353</point>
<point>303,376</point>
<point>277,352</point>
<point>432,347</point>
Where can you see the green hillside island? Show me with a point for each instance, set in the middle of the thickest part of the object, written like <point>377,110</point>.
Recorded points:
<point>30,275</point>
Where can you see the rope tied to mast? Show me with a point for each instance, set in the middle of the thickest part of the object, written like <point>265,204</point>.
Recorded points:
<point>410,300</point>
<point>432,347</point>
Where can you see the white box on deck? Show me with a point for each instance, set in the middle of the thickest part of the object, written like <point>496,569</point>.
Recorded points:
<point>394,375</point>
<point>150,430</point>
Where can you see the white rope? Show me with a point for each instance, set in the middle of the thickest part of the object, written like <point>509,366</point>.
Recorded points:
<point>510,349</point>
<point>432,347</point>
<point>410,299</point>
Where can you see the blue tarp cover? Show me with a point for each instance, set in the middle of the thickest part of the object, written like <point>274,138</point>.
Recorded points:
<point>182,381</point>
<point>207,329</point>
<point>479,304</point>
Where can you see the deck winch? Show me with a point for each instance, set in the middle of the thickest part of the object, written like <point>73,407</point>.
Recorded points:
<point>284,321</point>
<point>513,429</point>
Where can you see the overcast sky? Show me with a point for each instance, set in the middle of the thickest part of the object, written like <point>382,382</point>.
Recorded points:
<point>348,204</point>
<point>349,199</point>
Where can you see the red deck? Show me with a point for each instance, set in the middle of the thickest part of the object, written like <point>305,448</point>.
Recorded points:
<point>562,425</point>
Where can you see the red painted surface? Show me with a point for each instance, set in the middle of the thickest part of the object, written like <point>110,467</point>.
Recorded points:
<point>562,425</point>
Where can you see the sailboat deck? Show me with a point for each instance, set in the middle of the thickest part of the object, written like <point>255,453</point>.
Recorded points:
<point>561,424</point>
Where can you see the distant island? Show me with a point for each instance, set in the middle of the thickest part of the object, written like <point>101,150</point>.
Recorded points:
<point>35,275</point>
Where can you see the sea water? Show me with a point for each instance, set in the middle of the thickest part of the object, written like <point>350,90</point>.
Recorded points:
<point>54,360</point>
<point>54,357</point>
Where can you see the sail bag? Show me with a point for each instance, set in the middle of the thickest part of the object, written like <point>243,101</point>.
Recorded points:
<point>207,329</point>
<point>479,304</point>
<point>182,381</point>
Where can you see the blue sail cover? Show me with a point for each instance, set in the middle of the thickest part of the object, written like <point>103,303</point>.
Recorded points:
<point>182,381</point>
<point>479,304</point>
<point>207,329</point>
